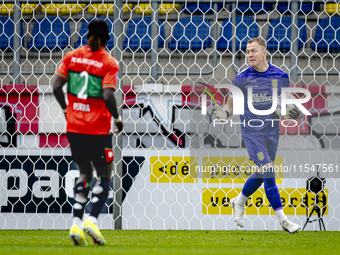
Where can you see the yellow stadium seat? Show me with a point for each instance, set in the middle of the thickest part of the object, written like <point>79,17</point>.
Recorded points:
<point>168,8</point>
<point>6,9</point>
<point>103,9</point>
<point>76,8</point>
<point>145,9</point>
<point>28,8</point>
<point>127,7</point>
<point>332,8</point>
<point>62,9</point>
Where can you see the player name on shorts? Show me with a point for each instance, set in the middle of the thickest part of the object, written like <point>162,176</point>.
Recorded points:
<point>81,107</point>
<point>87,61</point>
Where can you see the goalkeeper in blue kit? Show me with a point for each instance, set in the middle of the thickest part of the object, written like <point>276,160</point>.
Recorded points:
<point>261,137</point>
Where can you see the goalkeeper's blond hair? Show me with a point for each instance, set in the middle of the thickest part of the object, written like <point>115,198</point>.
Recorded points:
<point>258,40</point>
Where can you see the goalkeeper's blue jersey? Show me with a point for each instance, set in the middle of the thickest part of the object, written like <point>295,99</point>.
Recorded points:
<point>262,85</point>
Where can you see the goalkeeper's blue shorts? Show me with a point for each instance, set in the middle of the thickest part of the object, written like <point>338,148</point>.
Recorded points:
<point>261,148</point>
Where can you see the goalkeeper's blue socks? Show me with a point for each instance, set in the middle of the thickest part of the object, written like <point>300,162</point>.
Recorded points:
<point>270,187</point>
<point>252,184</point>
<point>99,195</point>
<point>272,192</point>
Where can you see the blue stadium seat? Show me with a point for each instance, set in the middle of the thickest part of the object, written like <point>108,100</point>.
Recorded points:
<point>138,34</point>
<point>279,34</point>
<point>191,33</point>
<point>82,40</point>
<point>50,33</point>
<point>305,8</point>
<point>257,8</point>
<point>327,35</point>
<point>7,32</point>
<point>200,9</point>
<point>246,28</point>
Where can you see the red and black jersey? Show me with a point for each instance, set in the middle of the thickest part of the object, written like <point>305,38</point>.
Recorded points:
<point>87,74</point>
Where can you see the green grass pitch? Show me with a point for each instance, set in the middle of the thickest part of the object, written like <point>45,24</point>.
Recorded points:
<point>27,242</point>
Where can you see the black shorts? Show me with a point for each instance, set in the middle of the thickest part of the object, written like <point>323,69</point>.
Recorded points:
<point>87,148</point>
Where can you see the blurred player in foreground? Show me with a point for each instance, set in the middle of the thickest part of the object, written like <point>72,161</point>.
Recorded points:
<point>90,72</point>
<point>261,141</point>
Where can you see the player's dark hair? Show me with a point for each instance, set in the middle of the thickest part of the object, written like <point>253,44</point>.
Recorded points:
<point>258,40</point>
<point>98,34</point>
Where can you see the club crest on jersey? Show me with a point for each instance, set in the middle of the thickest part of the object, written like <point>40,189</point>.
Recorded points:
<point>260,156</point>
<point>274,83</point>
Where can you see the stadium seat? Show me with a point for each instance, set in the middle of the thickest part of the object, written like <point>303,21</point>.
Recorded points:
<point>101,9</point>
<point>7,32</point>
<point>83,32</point>
<point>6,9</point>
<point>50,33</point>
<point>27,9</point>
<point>304,9</point>
<point>104,9</point>
<point>168,8</point>
<point>326,38</point>
<point>254,8</point>
<point>246,29</point>
<point>332,8</point>
<point>62,9</point>
<point>144,8</point>
<point>127,7</point>
<point>279,34</point>
<point>191,33</point>
<point>200,9</point>
<point>138,34</point>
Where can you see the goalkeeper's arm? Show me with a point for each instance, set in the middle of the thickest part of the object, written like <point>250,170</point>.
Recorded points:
<point>225,112</point>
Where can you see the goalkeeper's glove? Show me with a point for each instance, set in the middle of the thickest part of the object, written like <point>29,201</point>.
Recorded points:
<point>220,113</point>
<point>294,114</point>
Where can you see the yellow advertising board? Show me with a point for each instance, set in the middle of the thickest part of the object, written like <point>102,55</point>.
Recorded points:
<point>294,201</point>
<point>164,169</point>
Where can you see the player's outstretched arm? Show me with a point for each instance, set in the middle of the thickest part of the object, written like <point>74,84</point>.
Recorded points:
<point>225,112</point>
<point>111,105</point>
<point>58,91</point>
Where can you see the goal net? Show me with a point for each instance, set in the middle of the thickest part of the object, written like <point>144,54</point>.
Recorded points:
<point>173,168</point>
